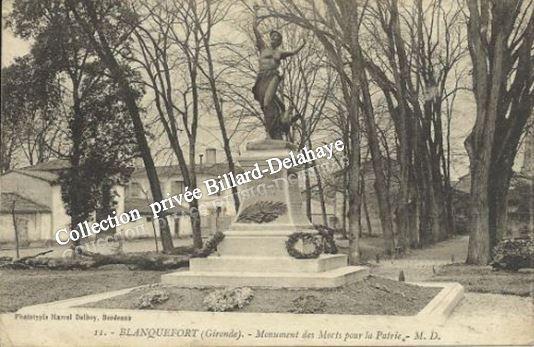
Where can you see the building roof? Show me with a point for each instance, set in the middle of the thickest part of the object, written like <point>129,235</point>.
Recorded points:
<point>142,205</point>
<point>50,177</point>
<point>22,204</point>
<point>51,165</point>
<point>50,171</point>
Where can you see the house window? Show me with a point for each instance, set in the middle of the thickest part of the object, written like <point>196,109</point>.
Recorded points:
<point>177,187</point>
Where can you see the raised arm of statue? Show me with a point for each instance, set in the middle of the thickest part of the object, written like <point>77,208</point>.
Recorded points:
<point>288,54</point>
<point>260,44</point>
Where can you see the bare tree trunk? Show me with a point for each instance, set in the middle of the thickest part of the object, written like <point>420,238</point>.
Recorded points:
<point>499,181</point>
<point>218,103</point>
<point>308,191</point>
<point>15,227</point>
<point>354,198</point>
<point>195,224</point>
<point>345,204</point>
<point>380,184</point>
<point>77,215</point>
<point>193,205</point>
<point>106,208</point>
<point>105,53</point>
<point>502,86</point>
<point>479,238</point>
<point>366,211</point>
<point>321,192</point>
<point>225,138</point>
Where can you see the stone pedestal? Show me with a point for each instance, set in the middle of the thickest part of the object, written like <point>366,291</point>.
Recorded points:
<point>253,252</point>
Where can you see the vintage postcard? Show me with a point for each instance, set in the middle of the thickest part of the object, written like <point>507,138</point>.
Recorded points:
<point>267,173</point>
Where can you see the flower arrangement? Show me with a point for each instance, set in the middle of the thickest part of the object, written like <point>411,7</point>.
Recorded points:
<point>153,297</point>
<point>228,299</point>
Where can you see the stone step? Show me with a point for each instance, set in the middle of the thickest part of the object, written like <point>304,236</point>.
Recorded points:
<point>267,264</point>
<point>327,279</point>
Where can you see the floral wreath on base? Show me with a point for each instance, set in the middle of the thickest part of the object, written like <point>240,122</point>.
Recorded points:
<point>323,242</point>
<point>210,246</point>
<point>305,237</point>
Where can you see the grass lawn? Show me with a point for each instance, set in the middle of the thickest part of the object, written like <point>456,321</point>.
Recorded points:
<point>371,296</point>
<point>19,288</point>
<point>482,279</point>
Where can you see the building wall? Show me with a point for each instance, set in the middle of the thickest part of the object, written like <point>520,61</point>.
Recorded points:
<point>35,224</point>
<point>121,194</point>
<point>49,195</point>
<point>40,226</point>
<point>60,218</point>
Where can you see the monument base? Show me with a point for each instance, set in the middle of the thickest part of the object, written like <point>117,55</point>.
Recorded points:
<point>253,252</point>
<point>305,278</point>
<point>327,271</point>
<point>239,264</point>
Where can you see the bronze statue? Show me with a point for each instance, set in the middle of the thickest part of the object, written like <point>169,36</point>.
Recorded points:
<point>277,120</point>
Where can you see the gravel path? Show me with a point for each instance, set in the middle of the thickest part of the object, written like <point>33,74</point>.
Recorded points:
<point>418,264</point>
<point>491,319</point>
<point>479,318</point>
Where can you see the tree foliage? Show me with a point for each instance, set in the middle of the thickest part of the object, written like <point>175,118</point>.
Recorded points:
<point>100,137</point>
<point>30,105</point>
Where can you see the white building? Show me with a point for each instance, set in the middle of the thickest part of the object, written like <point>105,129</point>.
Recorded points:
<point>32,220</point>
<point>35,194</point>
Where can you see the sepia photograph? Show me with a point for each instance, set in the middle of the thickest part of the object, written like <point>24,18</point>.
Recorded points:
<point>267,173</point>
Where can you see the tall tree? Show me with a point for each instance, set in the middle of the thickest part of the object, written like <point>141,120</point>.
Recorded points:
<point>170,42</point>
<point>411,53</point>
<point>57,50</point>
<point>99,142</point>
<point>500,37</point>
<point>99,23</point>
<point>215,13</point>
<point>107,146</point>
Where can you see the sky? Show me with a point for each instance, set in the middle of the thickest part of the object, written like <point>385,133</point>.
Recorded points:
<point>11,46</point>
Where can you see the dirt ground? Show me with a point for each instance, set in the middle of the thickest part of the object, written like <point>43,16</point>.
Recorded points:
<point>372,296</point>
<point>19,288</point>
<point>421,264</point>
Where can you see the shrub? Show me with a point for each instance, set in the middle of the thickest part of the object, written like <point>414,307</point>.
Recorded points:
<point>307,304</point>
<point>513,254</point>
<point>228,299</point>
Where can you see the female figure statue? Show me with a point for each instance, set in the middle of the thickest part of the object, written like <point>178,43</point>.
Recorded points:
<point>267,81</point>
